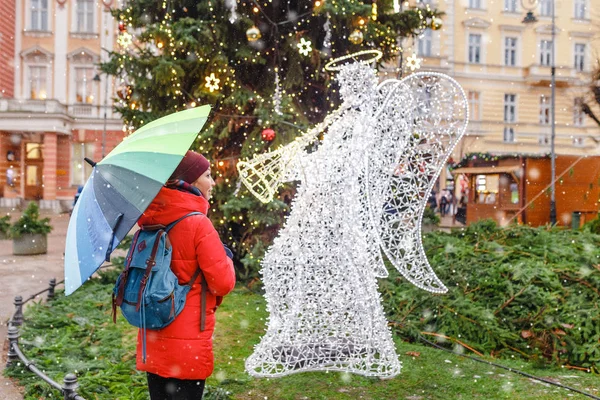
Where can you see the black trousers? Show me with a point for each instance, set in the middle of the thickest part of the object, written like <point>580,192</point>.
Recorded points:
<point>174,389</point>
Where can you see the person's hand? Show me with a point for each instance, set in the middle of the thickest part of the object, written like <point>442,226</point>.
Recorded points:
<point>228,252</point>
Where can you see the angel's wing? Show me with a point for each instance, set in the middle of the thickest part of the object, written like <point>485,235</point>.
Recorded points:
<point>400,177</point>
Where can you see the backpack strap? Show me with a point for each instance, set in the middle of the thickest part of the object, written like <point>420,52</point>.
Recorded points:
<point>150,262</point>
<point>118,300</point>
<point>196,274</point>
<point>172,224</point>
<point>202,295</point>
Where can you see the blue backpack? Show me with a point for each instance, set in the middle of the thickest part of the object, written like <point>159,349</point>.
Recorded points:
<point>147,290</point>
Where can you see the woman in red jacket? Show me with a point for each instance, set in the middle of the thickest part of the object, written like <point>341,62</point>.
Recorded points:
<point>179,357</point>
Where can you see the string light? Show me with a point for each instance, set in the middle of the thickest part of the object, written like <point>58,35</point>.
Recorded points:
<point>343,328</point>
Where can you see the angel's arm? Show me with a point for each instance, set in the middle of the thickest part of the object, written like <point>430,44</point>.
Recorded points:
<point>264,174</point>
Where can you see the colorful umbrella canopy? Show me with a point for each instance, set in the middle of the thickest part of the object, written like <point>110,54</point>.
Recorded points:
<point>121,187</point>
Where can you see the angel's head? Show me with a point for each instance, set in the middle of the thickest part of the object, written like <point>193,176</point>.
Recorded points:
<point>357,83</point>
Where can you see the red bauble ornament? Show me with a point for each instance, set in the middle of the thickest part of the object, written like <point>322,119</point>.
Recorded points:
<point>268,134</point>
<point>122,27</point>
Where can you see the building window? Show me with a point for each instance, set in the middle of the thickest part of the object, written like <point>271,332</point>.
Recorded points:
<point>39,15</point>
<point>510,5</point>
<point>81,170</point>
<point>33,151</point>
<point>510,108</point>
<point>580,9</point>
<point>509,134</point>
<point>546,8</point>
<point>424,44</point>
<point>474,48</point>
<point>544,110</point>
<point>510,51</point>
<point>544,140</point>
<point>545,52</point>
<point>578,141</point>
<point>579,62</point>
<point>578,114</point>
<point>85,16</point>
<point>474,106</point>
<point>38,83</point>
<point>487,188</point>
<point>475,4</point>
<point>84,85</point>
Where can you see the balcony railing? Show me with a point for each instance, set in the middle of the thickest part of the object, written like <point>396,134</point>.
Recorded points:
<point>36,106</point>
<point>537,74</point>
<point>52,106</point>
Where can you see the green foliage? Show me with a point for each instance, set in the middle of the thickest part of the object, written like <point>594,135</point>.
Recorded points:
<point>5,224</point>
<point>430,217</point>
<point>593,226</point>
<point>197,39</point>
<point>30,222</point>
<point>76,333</point>
<point>517,291</point>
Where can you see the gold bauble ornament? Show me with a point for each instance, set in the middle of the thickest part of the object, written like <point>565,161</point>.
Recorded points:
<point>436,23</point>
<point>253,34</point>
<point>356,37</point>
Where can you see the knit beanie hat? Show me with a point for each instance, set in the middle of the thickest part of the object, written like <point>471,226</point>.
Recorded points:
<point>191,167</point>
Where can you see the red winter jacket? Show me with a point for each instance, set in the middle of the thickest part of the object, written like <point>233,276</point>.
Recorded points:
<point>180,350</point>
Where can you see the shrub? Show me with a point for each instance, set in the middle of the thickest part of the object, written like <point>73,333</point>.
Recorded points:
<point>430,217</point>
<point>593,226</point>
<point>518,291</point>
<point>30,222</point>
<point>5,224</point>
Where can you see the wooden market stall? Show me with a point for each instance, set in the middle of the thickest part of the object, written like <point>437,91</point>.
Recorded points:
<point>517,189</point>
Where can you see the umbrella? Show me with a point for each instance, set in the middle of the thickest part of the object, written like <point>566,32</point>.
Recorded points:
<point>121,187</point>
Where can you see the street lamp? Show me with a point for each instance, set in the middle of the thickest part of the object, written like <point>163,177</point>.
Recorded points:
<point>530,5</point>
<point>97,79</point>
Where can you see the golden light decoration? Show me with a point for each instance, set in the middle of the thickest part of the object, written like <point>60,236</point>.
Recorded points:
<point>413,62</point>
<point>124,39</point>
<point>436,23</point>
<point>363,57</point>
<point>304,47</point>
<point>356,37</point>
<point>374,10</point>
<point>253,34</point>
<point>212,82</point>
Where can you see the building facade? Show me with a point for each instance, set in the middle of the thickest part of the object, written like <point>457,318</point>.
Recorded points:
<point>56,106</point>
<point>504,67</point>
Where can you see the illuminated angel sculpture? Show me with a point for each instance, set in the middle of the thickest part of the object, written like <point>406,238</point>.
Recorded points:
<point>361,198</point>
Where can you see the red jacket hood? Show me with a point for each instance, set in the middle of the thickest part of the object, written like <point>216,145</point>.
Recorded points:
<point>171,204</point>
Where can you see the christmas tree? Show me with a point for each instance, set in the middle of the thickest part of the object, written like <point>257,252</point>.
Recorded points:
<point>260,64</point>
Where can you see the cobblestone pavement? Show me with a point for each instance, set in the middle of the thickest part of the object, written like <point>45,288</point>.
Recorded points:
<point>24,276</point>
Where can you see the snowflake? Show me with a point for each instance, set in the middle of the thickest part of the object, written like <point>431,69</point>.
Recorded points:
<point>124,39</point>
<point>212,82</point>
<point>304,47</point>
<point>413,62</point>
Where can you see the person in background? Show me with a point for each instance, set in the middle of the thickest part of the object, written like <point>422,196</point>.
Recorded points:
<point>179,357</point>
<point>443,203</point>
<point>432,200</point>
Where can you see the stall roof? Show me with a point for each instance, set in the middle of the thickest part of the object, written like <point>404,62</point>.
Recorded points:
<point>506,169</point>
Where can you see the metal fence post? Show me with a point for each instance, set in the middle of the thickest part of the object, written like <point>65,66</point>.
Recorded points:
<point>13,340</point>
<point>70,387</point>
<point>52,284</point>
<point>17,318</point>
